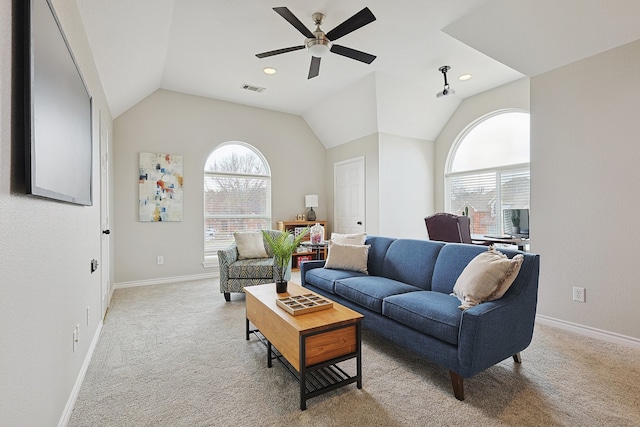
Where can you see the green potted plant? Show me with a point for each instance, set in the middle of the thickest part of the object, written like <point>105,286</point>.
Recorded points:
<point>283,248</point>
<point>515,220</point>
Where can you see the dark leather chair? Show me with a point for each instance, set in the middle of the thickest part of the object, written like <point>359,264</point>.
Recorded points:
<point>447,227</point>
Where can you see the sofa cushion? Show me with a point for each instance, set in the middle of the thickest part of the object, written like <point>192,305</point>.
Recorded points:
<point>411,261</point>
<point>347,257</point>
<point>349,239</point>
<point>452,259</point>
<point>251,269</point>
<point>378,250</point>
<point>325,278</point>
<point>486,278</point>
<point>369,291</point>
<point>250,245</point>
<point>433,313</point>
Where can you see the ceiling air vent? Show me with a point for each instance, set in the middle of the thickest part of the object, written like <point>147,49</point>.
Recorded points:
<point>253,88</point>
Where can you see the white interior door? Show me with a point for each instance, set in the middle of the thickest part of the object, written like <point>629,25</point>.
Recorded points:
<point>349,196</point>
<point>104,218</point>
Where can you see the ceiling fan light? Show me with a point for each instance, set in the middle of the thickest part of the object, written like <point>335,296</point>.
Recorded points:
<point>319,46</point>
<point>445,92</point>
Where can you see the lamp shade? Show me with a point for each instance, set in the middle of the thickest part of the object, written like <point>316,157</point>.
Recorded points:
<point>311,201</point>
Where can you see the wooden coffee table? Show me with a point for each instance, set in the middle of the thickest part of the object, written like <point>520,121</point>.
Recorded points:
<point>309,345</point>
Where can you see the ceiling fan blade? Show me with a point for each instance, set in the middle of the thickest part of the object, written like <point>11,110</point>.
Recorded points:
<point>314,69</point>
<point>279,51</point>
<point>353,54</point>
<point>291,18</point>
<point>360,19</point>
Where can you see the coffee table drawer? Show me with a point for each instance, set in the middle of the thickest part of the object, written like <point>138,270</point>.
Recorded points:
<point>329,345</point>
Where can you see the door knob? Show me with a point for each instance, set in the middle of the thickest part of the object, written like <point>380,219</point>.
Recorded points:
<point>107,231</point>
<point>359,222</point>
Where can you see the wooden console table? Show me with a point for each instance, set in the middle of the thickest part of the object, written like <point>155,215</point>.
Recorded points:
<point>291,226</point>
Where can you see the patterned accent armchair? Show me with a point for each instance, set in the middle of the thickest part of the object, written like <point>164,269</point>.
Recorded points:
<point>236,273</point>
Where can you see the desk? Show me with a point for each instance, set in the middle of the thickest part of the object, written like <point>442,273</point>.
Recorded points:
<point>520,242</point>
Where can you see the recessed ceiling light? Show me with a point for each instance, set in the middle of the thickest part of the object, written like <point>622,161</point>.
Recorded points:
<point>269,70</point>
<point>464,77</point>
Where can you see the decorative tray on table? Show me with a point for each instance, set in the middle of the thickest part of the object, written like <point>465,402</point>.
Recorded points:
<point>301,304</point>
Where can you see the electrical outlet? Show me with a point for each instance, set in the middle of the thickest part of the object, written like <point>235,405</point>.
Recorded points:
<point>578,294</point>
<point>160,260</point>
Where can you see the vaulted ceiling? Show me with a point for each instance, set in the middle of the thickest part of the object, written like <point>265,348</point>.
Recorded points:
<point>209,47</point>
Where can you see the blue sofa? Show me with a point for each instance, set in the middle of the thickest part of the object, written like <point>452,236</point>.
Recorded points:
<point>405,297</point>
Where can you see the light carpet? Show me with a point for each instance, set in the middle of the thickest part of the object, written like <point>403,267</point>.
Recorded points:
<point>176,355</point>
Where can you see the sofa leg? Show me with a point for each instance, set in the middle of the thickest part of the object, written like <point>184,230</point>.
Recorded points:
<point>227,296</point>
<point>458,385</point>
<point>517,358</point>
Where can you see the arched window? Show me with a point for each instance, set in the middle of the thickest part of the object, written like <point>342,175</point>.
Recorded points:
<point>488,172</point>
<point>237,194</point>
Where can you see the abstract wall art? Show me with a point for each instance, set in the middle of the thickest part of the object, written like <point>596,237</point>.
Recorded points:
<point>160,184</point>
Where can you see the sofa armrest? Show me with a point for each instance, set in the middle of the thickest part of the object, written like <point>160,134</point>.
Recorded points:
<point>228,256</point>
<point>309,265</point>
<point>493,331</point>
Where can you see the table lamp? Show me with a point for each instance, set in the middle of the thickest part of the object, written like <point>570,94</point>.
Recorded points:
<point>311,201</point>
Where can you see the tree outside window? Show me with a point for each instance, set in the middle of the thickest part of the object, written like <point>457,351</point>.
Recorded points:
<point>237,194</point>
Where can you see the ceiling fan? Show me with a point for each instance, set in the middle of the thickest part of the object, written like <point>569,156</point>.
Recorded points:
<point>319,44</point>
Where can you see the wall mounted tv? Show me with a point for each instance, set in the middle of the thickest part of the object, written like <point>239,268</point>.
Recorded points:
<point>56,105</point>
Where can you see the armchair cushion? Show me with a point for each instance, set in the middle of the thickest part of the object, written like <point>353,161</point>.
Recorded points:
<point>250,245</point>
<point>260,268</point>
<point>486,278</point>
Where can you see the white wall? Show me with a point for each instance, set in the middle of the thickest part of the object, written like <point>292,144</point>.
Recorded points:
<point>398,182</point>
<point>368,147</point>
<point>406,186</point>
<point>193,126</point>
<point>45,253</point>
<point>585,155</point>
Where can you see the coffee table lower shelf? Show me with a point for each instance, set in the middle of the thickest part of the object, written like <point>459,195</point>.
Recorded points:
<point>320,378</point>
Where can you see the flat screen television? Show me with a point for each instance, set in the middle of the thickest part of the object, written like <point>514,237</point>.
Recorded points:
<point>56,108</point>
<point>522,216</point>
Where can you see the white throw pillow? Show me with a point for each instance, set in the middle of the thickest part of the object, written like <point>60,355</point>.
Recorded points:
<point>486,278</point>
<point>349,239</point>
<point>250,245</point>
<point>347,257</point>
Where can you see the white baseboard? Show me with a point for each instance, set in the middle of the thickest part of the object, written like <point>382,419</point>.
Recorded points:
<point>164,280</point>
<point>589,331</point>
<point>71,402</point>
